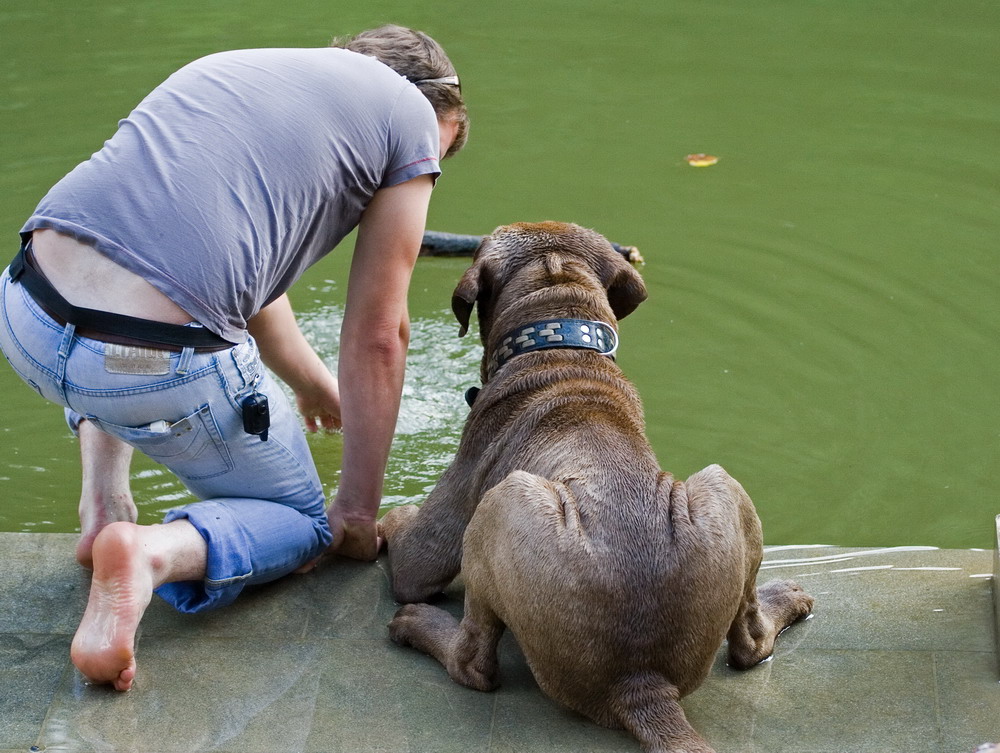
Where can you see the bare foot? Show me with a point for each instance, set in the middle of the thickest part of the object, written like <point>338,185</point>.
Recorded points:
<point>96,512</point>
<point>103,648</point>
<point>106,497</point>
<point>309,566</point>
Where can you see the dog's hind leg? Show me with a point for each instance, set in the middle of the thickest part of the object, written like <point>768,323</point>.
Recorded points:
<point>763,612</point>
<point>467,649</point>
<point>646,704</point>
<point>494,539</point>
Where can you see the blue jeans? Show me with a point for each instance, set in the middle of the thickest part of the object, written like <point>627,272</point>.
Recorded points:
<point>262,511</point>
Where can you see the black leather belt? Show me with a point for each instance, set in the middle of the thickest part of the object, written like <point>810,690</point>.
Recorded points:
<point>105,325</point>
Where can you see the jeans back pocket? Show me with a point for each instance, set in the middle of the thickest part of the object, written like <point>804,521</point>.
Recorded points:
<point>192,448</point>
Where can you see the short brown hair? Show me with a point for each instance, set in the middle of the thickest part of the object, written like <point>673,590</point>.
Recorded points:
<point>416,57</point>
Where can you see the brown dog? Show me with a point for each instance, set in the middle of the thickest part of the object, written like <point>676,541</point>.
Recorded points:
<point>618,581</point>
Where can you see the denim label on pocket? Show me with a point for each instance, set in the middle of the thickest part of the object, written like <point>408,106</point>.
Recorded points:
<point>131,359</point>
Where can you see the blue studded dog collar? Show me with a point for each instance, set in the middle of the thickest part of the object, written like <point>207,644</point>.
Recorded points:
<point>555,333</point>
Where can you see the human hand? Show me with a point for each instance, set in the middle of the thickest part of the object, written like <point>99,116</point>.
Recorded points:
<point>353,536</point>
<point>319,403</point>
<point>285,351</point>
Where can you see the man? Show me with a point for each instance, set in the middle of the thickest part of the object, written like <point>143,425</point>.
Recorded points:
<point>151,284</point>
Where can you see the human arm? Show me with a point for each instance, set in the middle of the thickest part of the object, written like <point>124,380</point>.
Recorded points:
<point>285,350</point>
<point>373,343</point>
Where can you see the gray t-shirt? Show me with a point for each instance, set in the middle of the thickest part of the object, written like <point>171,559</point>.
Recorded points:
<point>241,170</point>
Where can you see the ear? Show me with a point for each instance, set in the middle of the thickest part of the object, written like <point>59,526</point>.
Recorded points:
<point>626,289</point>
<point>475,287</point>
<point>464,297</point>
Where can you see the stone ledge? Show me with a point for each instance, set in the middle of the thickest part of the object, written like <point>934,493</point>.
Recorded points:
<point>305,666</point>
<point>996,590</point>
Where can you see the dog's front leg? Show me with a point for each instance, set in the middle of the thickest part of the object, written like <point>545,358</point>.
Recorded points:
<point>425,543</point>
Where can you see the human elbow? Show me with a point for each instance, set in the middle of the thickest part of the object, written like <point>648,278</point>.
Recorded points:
<point>386,345</point>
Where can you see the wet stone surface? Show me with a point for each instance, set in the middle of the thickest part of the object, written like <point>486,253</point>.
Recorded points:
<point>899,655</point>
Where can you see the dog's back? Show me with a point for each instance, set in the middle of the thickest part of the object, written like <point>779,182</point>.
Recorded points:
<point>606,583</point>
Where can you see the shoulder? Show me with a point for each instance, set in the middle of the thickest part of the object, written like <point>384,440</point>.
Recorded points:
<point>298,61</point>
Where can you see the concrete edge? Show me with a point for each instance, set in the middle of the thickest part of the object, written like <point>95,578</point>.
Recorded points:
<point>996,590</point>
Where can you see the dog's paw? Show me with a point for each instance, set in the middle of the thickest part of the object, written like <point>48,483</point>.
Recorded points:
<point>422,625</point>
<point>403,625</point>
<point>785,601</point>
<point>395,521</point>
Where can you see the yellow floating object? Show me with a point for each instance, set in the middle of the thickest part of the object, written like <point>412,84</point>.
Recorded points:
<point>701,160</point>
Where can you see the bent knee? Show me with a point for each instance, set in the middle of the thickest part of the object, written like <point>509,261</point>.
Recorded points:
<point>714,484</point>
<point>713,474</point>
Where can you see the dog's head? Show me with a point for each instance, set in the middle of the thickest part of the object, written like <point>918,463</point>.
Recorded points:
<point>516,262</point>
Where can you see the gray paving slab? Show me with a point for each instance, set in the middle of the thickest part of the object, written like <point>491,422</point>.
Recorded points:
<point>996,588</point>
<point>31,670</point>
<point>967,693</point>
<point>376,697</point>
<point>892,599</point>
<point>834,701</point>
<point>347,600</point>
<point>41,588</point>
<point>195,695</point>
<point>899,655</point>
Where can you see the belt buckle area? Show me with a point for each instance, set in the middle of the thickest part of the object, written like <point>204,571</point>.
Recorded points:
<point>136,360</point>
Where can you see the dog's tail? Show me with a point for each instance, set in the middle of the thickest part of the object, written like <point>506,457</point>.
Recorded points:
<point>646,704</point>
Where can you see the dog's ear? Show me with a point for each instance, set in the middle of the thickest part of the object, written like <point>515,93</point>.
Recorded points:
<point>626,290</point>
<point>464,297</point>
<point>476,287</point>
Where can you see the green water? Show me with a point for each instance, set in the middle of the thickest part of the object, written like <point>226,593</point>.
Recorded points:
<point>824,309</point>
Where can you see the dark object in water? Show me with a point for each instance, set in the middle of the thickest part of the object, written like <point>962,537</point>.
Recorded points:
<point>454,244</point>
